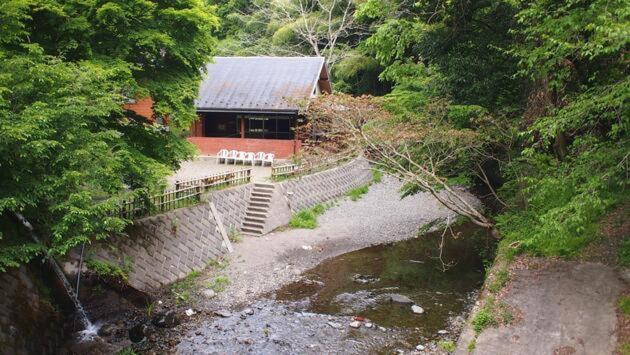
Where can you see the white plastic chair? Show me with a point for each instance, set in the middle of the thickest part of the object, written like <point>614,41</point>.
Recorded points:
<point>249,157</point>
<point>222,155</point>
<point>259,157</point>
<point>240,157</point>
<point>268,159</point>
<point>232,154</point>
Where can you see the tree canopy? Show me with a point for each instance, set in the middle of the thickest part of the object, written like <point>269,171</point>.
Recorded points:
<point>69,152</point>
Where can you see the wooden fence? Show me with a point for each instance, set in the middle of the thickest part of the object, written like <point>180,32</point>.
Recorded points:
<point>186,192</point>
<point>284,171</point>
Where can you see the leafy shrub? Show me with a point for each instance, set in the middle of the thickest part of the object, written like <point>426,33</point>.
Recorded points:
<point>106,270</point>
<point>234,235</point>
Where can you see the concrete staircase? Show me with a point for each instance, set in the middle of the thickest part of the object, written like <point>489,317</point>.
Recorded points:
<point>257,209</point>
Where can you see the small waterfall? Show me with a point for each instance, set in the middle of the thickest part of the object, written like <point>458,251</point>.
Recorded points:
<point>83,318</point>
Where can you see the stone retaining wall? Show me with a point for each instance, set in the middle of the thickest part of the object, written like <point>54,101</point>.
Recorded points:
<point>164,248</point>
<point>310,190</point>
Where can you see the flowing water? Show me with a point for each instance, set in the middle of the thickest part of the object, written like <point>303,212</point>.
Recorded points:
<point>89,329</point>
<point>314,314</point>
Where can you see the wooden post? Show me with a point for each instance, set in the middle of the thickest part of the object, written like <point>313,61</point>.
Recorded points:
<point>242,127</point>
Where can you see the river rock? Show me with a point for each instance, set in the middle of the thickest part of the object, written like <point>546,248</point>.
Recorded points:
<point>442,332</point>
<point>369,325</point>
<point>208,293</point>
<point>107,329</point>
<point>138,332</point>
<point>420,347</point>
<point>248,311</point>
<point>355,324</point>
<point>417,309</point>
<point>223,313</point>
<point>168,319</point>
<point>334,325</point>
<point>397,298</point>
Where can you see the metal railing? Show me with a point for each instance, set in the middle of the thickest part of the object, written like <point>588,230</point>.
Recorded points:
<point>186,193</point>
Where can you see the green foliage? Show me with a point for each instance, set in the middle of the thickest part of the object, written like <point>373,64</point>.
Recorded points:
<point>484,318</point>
<point>127,351</point>
<point>377,176</point>
<point>219,283</point>
<point>447,345</point>
<point>70,151</point>
<point>307,218</point>
<point>356,193</point>
<point>109,271</point>
<point>624,304</point>
<point>472,345</point>
<point>623,254</point>
<point>498,281</point>
<point>234,235</point>
<point>184,288</point>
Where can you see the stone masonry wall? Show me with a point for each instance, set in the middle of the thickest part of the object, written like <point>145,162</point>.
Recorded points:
<point>310,190</point>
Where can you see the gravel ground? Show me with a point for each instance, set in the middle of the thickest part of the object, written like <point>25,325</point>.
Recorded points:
<point>260,265</point>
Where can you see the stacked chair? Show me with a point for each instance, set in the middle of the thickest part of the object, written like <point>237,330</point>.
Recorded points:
<point>235,156</point>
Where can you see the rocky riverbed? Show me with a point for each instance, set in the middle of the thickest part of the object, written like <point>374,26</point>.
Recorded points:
<point>378,289</point>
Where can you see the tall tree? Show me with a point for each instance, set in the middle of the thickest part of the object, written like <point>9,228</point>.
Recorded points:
<point>69,152</point>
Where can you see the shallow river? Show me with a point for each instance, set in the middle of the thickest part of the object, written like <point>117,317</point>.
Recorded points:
<point>374,289</point>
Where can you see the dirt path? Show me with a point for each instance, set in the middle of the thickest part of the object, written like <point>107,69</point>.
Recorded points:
<point>262,264</point>
<point>559,307</point>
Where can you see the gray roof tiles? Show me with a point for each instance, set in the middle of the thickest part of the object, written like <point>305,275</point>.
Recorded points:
<point>258,83</point>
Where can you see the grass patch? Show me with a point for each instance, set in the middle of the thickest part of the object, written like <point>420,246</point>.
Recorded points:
<point>218,264</point>
<point>127,351</point>
<point>447,345</point>
<point>307,218</point>
<point>377,176</point>
<point>234,235</point>
<point>485,317</point>
<point>623,253</point>
<point>498,281</point>
<point>219,283</point>
<point>356,193</point>
<point>183,289</point>
<point>472,345</point>
<point>624,304</point>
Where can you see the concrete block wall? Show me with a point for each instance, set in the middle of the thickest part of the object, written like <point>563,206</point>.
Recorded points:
<point>165,248</point>
<point>231,204</point>
<point>310,190</point>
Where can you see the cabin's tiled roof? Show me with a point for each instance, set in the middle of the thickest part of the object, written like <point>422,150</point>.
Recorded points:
<point>258,83</point>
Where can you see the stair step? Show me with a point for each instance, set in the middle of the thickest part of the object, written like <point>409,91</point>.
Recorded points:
<point>261,194</point>
<point>259,204</point>
<point>260,199</point>
<point>254,209</point>
<point>254,232</point>
<point>265,185</point>
<point>254,219</point>
<point>255,214</point>
<point>253,225</point>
